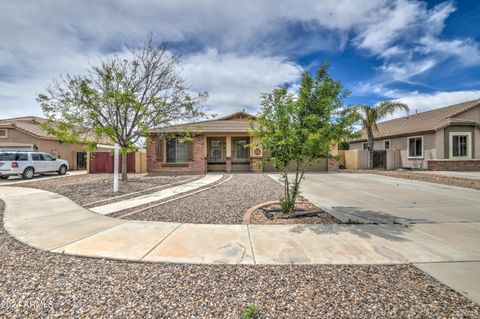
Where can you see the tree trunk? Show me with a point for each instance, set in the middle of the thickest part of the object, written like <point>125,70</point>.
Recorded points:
<point>371,144</point>
<point>370,159</point>
<point>124,167</point>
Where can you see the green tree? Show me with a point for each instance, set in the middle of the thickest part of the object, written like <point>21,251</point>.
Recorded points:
<point>371,115</point>
<point>300,130</point>
<point>121,99</point>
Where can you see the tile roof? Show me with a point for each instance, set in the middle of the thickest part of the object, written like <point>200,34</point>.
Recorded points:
<point>32,125</point>
<point>234,123</point>
<point>28,124</point>
<point>423,122</point>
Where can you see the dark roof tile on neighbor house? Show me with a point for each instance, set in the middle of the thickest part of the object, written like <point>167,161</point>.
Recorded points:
<point>428,121</point>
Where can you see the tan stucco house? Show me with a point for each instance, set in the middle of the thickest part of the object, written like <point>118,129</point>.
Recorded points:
<point>217,145</point>
<point>26,133</point>
<point>446,138</point>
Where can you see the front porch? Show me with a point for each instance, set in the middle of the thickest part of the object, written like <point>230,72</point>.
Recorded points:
<point>228,154</point>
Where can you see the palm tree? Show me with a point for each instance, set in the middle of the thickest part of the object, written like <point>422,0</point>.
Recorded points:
<point>371,115</point>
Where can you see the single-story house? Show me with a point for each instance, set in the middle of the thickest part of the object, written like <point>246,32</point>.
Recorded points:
<point>216,145</point>
<point>26,133</point>
<point>446,138</point>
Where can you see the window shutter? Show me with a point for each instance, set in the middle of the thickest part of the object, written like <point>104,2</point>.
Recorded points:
<point>160,150</point>
<point>190,151</point>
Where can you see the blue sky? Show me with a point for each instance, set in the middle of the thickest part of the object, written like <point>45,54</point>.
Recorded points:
<point>426,54</point>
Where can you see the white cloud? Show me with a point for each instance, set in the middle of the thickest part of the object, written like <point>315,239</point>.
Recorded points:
<point>248,40</point>
<point>429,101</point>
<point>235,82</point>
<point>406,35</point>
<point>388,25</point>
<point>404,71</point>
<point>466,50</point>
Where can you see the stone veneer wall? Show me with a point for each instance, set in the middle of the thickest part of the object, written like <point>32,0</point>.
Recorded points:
<point>452,165</point>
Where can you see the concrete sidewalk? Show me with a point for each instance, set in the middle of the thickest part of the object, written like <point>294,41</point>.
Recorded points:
<point>52,222</point>
<point>153,197</point>
<point>443,241</point>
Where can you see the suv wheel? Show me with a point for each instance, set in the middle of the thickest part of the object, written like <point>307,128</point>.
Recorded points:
<point>4,177</point>
<point>62,170</point>
<point>28,173</point>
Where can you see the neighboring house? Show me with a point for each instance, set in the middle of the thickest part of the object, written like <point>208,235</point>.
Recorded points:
<point>217,145</point>
<point>447,138</point>
<point>26,133</point>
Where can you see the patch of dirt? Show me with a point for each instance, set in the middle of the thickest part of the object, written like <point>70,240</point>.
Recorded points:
<point>304,213</point>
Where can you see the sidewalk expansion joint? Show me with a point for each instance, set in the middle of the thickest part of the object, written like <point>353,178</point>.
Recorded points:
<point>82,238</point>
<point>160,242</point>
<point>251,244</point>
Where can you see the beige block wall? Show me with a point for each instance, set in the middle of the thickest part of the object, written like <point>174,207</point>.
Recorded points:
<point>140,162</point>
<point>393,159</point>
<point>356,159</point>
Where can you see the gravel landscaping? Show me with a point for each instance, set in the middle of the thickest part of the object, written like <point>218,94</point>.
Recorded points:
<point>225,204</point>
<point>37,284</point>
<point>278,218</point>
<point>89,188</point>
<point>438,179</point>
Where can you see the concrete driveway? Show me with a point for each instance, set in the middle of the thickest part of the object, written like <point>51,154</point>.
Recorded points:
<point>380,199</point>
<point>446,213</point>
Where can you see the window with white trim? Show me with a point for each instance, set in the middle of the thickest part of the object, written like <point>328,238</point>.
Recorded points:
<point>177,151</point>
<point>3,133</point>
<point>386,144</point>
<point>460,145</point>
<point>415,147</point>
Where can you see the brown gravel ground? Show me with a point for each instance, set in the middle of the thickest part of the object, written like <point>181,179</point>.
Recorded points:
<point>38,284</point>
<point>225,204</point>
<point>258,217</point>
<point>88,188</point>
<point>124,214</point>
<point>438,179</point>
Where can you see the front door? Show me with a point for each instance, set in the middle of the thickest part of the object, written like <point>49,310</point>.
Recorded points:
<point>240,154</point>
<point>217,151</point>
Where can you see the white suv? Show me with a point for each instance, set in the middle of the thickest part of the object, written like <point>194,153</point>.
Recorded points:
<point>27,164</point>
